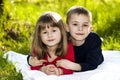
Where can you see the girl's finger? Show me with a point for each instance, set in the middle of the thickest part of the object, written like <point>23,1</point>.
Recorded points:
<point>58,63</point>
<point>56,71</point>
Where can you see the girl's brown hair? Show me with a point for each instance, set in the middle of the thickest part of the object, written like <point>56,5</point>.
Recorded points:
<point>51,19</point>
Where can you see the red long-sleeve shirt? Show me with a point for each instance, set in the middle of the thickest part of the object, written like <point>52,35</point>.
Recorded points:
<point>69,56</point>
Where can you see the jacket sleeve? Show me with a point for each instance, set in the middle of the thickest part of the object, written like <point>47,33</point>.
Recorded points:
<point>33,67</point>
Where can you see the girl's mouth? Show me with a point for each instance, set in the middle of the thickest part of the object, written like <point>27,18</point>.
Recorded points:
<point>50,40</point>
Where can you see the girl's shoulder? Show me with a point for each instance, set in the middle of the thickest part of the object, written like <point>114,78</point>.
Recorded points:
<point>69,42</point>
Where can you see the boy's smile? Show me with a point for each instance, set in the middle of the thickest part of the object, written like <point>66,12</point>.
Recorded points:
<point>79,33</point>
<point>79,26</point>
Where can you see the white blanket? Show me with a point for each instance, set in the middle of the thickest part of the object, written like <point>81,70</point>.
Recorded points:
<point>108,70</point>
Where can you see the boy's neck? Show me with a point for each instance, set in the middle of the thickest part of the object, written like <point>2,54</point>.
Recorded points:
<point>78,42</point>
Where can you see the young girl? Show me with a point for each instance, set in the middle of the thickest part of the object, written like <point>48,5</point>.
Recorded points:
<point>87,45</point>
<point>50,44</point>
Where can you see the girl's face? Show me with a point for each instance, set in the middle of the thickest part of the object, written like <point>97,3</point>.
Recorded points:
<point>79,26</point>
<point>51,36</point>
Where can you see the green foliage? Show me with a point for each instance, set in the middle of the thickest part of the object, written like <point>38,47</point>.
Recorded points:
<point>8,71</point>
<point>111,43</point>
<point>18,19</point>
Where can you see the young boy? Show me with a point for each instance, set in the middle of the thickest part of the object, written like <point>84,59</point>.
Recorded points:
<point>87,45</point>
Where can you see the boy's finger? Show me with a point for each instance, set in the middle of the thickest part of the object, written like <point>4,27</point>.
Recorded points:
<point>42,60</point>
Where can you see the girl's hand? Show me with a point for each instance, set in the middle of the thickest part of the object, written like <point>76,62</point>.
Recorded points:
<point>51,70</point>
<point>33,61</point>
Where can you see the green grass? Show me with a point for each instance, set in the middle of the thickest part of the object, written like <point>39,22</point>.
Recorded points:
<point>18,19</point>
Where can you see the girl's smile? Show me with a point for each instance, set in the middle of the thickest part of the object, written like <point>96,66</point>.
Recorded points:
<point>51,40</point>
<point>51,36</point>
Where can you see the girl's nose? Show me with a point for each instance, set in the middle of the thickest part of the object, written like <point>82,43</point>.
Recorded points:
<point>49,34</point>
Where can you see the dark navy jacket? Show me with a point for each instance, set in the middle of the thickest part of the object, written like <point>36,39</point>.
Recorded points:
<point>89,55</point>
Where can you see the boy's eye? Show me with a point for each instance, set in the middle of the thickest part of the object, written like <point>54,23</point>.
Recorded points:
<point>75,24</point>
<point>85,25</point>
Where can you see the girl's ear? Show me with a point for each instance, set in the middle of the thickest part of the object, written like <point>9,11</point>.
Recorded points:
<point>67,27</point>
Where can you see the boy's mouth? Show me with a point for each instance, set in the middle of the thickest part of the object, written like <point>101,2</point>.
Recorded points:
<point>79,33</point>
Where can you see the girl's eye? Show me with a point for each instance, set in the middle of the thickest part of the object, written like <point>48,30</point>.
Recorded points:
<point>44,32</point>
<point>54,30</point>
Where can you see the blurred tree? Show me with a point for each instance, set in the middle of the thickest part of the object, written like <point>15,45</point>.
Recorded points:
<point>103,1</point>
<point>1,7</point>
<point>85,1</point>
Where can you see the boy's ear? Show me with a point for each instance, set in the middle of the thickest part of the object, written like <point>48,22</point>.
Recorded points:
<point>67,28</point>
<point>91,28</point>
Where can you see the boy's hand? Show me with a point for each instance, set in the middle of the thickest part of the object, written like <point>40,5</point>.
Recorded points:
<point>64,63</point>
<point>68,64</point>
<point>35,62</point>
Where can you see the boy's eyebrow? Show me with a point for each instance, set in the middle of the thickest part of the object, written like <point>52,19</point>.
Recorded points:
<point>86,22</point>
<point>75,21</point>
<point>83,22</point>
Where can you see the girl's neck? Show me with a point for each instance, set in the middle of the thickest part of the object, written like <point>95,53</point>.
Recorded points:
<point>52,50</point>
<point>78,42</point>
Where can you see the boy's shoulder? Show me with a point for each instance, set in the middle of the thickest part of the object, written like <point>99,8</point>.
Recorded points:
<point>93,37</point>
<point>93,40</point>
<point>93,34</point>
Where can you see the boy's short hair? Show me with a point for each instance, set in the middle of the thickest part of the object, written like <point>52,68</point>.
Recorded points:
<point>78,10</point>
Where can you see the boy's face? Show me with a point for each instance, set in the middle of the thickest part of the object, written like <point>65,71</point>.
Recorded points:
<point>79,26</point>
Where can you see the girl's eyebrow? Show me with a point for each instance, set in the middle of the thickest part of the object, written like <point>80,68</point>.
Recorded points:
<point>48,27</point>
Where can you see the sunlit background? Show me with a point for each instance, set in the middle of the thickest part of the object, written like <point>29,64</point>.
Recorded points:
<point>18,19</point>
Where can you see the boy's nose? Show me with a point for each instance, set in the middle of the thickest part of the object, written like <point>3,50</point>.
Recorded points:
<point>80,28</point>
